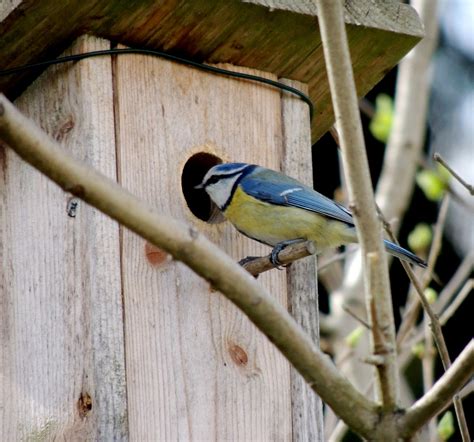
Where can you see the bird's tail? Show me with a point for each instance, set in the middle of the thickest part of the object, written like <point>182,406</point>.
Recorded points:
<point>404,254</point>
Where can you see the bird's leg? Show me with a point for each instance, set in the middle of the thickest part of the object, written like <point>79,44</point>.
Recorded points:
<point>279,247</point>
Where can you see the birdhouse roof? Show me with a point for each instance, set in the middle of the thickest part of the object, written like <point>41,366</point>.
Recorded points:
<point>277,36</point>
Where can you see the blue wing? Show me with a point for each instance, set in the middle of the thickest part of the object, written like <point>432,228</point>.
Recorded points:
<point>279,189</point>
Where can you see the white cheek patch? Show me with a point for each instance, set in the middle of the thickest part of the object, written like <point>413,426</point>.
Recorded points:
<point>221,191</point>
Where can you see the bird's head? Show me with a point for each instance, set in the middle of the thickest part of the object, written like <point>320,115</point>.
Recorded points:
<point>220,181</point>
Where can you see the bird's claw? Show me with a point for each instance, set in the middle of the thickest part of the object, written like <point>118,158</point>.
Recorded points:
<point>274,255</point>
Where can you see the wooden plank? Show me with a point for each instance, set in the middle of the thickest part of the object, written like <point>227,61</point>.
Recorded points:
<point>196,367</point>
<point>62,355</point>
<point>307,408</point>
<point>281,36</point>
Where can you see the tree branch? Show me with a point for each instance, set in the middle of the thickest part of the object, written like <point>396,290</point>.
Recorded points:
<point>457,301</point>
<point>256,265</point>
<point>186,244</point>
<point>442,393</point>
<point>407,136</point>
<point>454,284</point>
<point>413,309</point>
<point>437,334</point>
<point>441,345</point>
<point>345,103</point>
<point>437,157</point>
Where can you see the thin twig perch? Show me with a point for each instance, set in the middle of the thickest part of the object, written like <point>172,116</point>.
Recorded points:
<point>293,252</point>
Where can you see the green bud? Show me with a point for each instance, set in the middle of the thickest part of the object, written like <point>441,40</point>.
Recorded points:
<point>381,123</point>
<point>446,426</point>
<point>353,338</point>
<point>420,237</point>
<point>418,350</point>
<point>431,295</point>
<point>432,184</point>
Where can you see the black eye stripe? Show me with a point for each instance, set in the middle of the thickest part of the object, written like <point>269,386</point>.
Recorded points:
<point>216,178</point>
<point>213,179</point>
<point>242,172</point>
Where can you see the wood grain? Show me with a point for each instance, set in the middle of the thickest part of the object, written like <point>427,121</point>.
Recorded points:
<point>62,347</point>
<point>196,367</point>
<point>278,36</point>
<point>307,408</point>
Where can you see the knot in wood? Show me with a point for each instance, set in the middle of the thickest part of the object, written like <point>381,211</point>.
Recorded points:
<point>238,355</point>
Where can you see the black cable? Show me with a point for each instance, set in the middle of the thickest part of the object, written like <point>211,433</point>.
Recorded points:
<point>167,56</point>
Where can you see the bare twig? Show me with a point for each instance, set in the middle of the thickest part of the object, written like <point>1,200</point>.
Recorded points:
<point>442,348</point>
<point>405,145</point>
<point>450,310</point>
<point>407,135</point>
<point>437,334</point>
<point>436,244</point>
<point>345,103</point>
<point>404,148</point>
<point>451,289</point>
<point>356,317</point>
<point>458,300</point>
<point>464,392</point>
<point>437,157</point>
<point>427,366</point>
<point>186,244</point>
<point>413,310</point>
<point>441,393</point>
<point>257,265</point>
<point>444,318</point>
<point>462,273</point>
<point>337,257</point>
<point>467,204</point>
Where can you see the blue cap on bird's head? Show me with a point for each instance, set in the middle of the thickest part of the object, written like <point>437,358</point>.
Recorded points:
<point>224,170</point>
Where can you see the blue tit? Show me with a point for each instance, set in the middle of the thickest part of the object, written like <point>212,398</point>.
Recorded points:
<point>277,210</point>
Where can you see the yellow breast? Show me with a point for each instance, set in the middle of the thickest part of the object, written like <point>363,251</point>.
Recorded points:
<point>273,224</point>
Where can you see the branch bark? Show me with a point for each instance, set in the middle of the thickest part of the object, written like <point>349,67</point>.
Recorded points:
<point>186,244</point>
<point>407,136</point>
<point>437,157</point>
<point>442,393</point>
<point>442,348</point>
<point>256,265</point>
<point>378,299</point>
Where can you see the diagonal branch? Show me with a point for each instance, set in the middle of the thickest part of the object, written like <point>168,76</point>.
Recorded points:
<point>413,309</point>
<point>186,244</point>
<point>442,393</point>
<point>378,299</point>
<point>407,135</point>
<point>437,157</point>
<point>438,336</point>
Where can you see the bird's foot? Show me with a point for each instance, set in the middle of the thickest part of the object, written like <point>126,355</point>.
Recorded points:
<point>278,248</point>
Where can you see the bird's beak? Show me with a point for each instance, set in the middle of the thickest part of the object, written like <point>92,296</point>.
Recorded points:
<point>199,186</point>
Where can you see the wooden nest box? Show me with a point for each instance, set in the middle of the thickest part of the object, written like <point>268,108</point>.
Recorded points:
<point>104,337</point>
